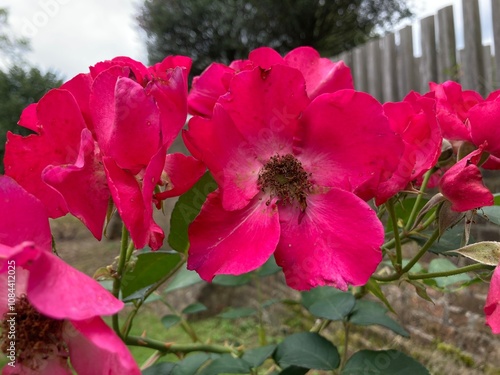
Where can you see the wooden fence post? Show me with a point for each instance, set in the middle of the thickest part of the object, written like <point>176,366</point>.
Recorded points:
<point>406,63</point>
<point>472,66</point>
<point>447,48</point>
<point>389,70</point>
<point>428,66</point>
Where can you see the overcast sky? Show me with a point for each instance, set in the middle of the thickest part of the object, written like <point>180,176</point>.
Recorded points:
<point>71,35</point>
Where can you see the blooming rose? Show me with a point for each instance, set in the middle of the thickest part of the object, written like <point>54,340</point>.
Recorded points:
<point>291,172</point>
<point>56,308</point>
<point>105,134</point>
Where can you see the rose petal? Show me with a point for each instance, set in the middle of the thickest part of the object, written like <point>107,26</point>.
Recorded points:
<point>483,120</point>
<point>322,75</point>
<point>170,94</point>
<point>232,242</point>
<point>346,141</point>
<point>96,349</point>
<point>235,168</point>
<point>325,246</point>
<point>206,89</point>
<point>58,141</point>
<point>492,308</point>
<point>463,184</point>
<point>83,185</point>
<point>135,136</point>
<point>29,118</point>
<point>265,57</point>
<point>55,289</point>
<point>23,217</point>
<point>134,202</point>
<point>182,172</point>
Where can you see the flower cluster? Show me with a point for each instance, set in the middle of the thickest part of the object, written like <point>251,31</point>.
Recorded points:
<point>301,160</point>
<point>54,320</point>
<point>103,135</point>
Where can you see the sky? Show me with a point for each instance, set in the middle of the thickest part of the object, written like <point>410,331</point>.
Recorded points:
<point>68,36</point>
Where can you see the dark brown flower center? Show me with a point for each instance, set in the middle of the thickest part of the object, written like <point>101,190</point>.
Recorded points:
<point>30,336</point>
<point>284,177</point>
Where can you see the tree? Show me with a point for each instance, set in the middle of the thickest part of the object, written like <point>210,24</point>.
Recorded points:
<point>20,83</point>
<point>224,30</point>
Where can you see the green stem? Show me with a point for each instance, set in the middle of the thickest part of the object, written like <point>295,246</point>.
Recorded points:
<point>167,347</point>
<point>118,276</point>
<point>422,251</point>
<point>420,196</point>
<point>397,241</point>
<point>130,250</point>
<point>412,262</point>
<point>458,271</point>
<point>347,327</point>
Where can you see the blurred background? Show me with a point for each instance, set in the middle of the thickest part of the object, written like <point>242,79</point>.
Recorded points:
<point>44,42</point>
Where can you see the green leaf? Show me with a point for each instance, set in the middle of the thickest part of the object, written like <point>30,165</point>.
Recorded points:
<point>165,368</point>
<point>420,289</point>
<point>230,280</point>
<point>194,308</point>
<point>235,313</point>
<point>256,357</point>
<point>182,279</point>
<point>366,313</point>
<point>318,294</point>
<point>486,252</point>
<point>186,209</point>
<point>444,265</point>
<point>191,364</point>
<point>374,288</point>
<point>334,307</point>
<point>141,293</point>
<point>149,268</point>
<point>383,362</point>
<point>490,213</point>
<point>268,268</point>
<point>309,350</point>
<point>451,239</point>
<point>226,364</point>
<point>170,320</point>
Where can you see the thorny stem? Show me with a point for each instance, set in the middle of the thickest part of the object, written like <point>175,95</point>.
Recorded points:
<point>168,347</point>
<point>458,271</point>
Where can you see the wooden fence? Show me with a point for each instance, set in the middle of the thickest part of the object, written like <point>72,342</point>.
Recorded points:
<point>389,70</point>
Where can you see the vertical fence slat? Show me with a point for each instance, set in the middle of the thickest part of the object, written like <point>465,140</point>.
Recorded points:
<point>428,66</point>
<point>472,67</point>
<point>389,70</point>
<point>359,70</point>
<point>374,69</point>
<point>495,13</point>
<point>488,69</point>
<point>447,49</point>
<point>406,66</point>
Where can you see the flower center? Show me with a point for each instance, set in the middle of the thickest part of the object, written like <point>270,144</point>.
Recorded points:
<point>30,336</point>
<point>284,177</point>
